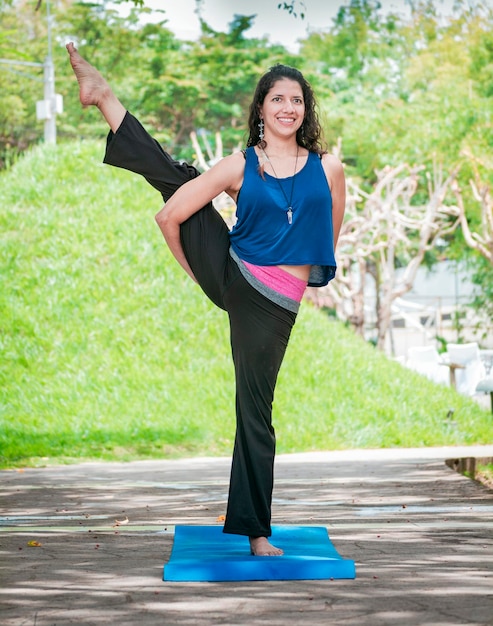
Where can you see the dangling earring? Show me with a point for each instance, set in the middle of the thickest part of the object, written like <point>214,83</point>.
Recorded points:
<point>261,130</point>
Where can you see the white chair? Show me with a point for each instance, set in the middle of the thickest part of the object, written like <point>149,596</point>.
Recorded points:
<point>485,385</point>
<point>467,377</point>
<point>426,361</point>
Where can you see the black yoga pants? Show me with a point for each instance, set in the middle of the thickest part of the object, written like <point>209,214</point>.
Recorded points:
<point>259,328</point>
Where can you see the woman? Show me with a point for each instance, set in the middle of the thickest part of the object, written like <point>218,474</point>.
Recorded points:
<point>290,197</point>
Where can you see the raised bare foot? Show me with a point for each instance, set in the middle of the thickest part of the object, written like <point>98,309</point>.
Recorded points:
<point>93,87</point>
<point>260,546</point>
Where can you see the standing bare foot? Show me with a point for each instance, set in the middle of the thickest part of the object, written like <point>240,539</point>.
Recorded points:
<point>260,546</point>
<point>93,87</point>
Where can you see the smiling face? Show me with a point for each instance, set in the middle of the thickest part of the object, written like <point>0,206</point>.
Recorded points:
<point>283,109</point>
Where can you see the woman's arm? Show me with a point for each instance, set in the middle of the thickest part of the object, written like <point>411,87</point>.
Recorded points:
<point>227,175</point>
<point>335,176</point>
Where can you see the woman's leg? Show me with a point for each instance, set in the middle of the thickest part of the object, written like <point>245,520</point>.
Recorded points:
<point>129,146</point>
<point>260,331</point>
<point>133,149</point>
<point>205,237</point>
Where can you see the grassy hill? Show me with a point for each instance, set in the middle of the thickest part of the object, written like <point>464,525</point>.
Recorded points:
<point>108,350</point>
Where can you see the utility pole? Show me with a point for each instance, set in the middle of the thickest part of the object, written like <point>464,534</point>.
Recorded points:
<point>52,104</point>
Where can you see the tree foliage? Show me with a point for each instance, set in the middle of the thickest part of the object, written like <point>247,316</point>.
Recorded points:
<point>393,89</point>
<point>173,86</point>
<point>405,90</point>
<point>384,240</point>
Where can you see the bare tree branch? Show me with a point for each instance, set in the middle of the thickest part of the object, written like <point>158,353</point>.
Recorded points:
<point>387,232</point>
<point>482,242</point>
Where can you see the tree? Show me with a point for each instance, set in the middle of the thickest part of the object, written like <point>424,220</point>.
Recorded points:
<point>294,7</point>
<point>481,242</point>
<point>387,239</point>
<point>478,235</point>
<point>208,83</point>
<point>405,89</point>
<point>174,86</point>
<point>111,39</point>
<point>206,157</point>
<point>20,84</point>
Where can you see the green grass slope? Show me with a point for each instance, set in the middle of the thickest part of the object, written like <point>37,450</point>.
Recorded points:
<point>109,351</point>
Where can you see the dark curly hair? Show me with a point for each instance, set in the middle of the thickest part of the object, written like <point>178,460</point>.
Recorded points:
<point>309,134</point>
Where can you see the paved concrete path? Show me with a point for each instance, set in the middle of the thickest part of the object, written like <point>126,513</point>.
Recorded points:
<point>421,536</point>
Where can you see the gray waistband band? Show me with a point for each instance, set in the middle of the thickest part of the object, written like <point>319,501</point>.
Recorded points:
<point>270,294</point>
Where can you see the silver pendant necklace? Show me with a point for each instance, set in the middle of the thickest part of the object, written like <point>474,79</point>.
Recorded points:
<point>289,212</point>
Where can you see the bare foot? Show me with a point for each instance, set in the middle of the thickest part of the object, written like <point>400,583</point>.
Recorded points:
<point>93,87</point>
<point>260,546</point>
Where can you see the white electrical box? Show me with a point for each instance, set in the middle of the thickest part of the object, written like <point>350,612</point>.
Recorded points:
<point>58,103</point>
<point>45,109</point>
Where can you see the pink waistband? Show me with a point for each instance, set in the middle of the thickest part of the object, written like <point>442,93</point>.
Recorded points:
<point>278,280</point>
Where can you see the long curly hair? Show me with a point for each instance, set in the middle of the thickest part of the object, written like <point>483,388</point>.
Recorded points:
<point>309,135</point>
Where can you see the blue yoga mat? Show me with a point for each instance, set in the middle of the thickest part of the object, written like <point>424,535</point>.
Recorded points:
<point>206,554</point>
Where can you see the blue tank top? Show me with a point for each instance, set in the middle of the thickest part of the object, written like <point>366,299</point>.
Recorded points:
<point>266,234</point>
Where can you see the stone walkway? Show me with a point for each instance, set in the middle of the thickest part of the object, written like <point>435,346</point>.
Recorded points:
<point>86,544</point>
